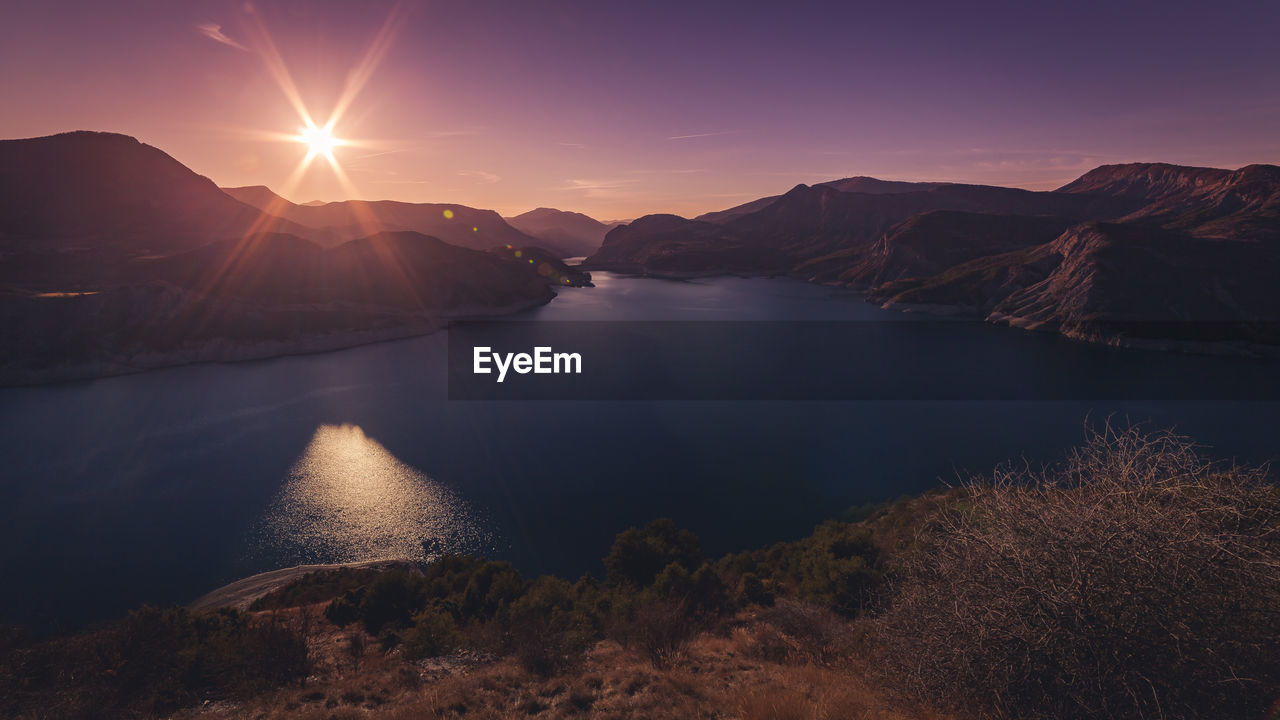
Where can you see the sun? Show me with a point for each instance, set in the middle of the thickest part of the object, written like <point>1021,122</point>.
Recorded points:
<point>319,140</point>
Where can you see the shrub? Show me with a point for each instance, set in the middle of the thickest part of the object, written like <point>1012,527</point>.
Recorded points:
<point>702,592</point>
<point>752,591</point>
<point>816,633</point>
<point>315,587</point>
<point>433,634</point>
<point>344,610</point>
<point>356,646</point>
<point>637,556</point>
<point>153,661</point>
<point>549,630</point>
<point>1136,579</point>
<point>472,589</point>
<point>839,567</point>
<point>658,629</point>
<point>490,587</point>
<point>391,600</point>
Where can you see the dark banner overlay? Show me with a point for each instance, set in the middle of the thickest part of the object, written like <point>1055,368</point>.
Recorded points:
<point>815,361</point>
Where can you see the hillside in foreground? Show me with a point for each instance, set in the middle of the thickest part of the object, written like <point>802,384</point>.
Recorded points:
<point>1134,579</point>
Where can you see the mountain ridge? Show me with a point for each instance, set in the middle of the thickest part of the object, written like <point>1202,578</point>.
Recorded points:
<point>571,234</point>
<point>108,189</point>
<point>115,257</point>
<point>1148,254</point>
<point>460,225</point>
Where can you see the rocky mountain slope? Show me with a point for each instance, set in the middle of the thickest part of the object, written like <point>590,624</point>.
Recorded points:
<point>1206,202</point>
<point>931,242</point>
<point>1144,253</point>
<point>820,228</point>
<point>858,184</point>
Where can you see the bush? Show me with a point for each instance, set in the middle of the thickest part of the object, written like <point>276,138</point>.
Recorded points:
<point>433,634</point>
<point>315,587</point>
<point>840,567</point>
<point>153,661</point>
<point>491,586</point>
<point>637,556</point>
<point>549,628</point>
<point>658,629</point>
<point>471,589</point>
<point>815,633</point>
<point>1137,579</point>
<point>391,600</point>
<point>344,610</point>
<point>752,591</point>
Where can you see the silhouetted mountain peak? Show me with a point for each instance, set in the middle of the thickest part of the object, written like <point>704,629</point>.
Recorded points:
<point>106,189</point>
<point>563,232</point>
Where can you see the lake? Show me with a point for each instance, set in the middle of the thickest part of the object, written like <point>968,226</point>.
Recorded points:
<point>161,486</point>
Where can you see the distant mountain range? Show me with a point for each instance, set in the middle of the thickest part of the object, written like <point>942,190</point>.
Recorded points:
<point>115,257</point>
<point>570,234</point>
<point>859,184</point>
<point>335,222</point>
<point>1142,254</point>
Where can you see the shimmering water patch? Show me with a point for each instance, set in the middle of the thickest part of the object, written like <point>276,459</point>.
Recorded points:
<point>348,499</point>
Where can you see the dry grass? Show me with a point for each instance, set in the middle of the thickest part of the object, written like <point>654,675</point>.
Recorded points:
<point>716,676</point>
<point>1137,579</point>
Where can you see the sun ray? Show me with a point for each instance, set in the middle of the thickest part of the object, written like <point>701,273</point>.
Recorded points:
<point>320,140</point>
<point>373,57</point>
<point>386,253</point>
<point>260,40</point>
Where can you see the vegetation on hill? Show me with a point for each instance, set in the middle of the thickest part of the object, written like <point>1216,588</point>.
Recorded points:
<point>1136,579</point>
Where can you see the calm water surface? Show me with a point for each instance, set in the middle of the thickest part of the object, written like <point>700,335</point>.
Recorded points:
<point>161,486</point>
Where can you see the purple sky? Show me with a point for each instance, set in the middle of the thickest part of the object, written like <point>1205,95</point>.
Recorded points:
<point>619,109</point>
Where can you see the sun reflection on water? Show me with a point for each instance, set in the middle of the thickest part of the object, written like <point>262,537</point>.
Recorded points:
<point>348,499</point>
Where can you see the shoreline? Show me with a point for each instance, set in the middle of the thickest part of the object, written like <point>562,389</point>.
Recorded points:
<point>242,593</point>
<point>1223,348</point>
<point>224,352</point>
<point>640,272</point>
<point>221,351</point>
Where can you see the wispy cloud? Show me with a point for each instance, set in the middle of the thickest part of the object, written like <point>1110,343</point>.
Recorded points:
<point>600,188</point>
<point>481,175</point>
<point>459,132</point>
<point>380,154</point>
<point>579,146</point>
<point>213,31</point>
<point>702,135</point>
<point>680,171</point>
<point>803,173</point>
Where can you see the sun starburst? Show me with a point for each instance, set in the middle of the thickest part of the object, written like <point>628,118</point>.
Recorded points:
<point>319,140</point>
